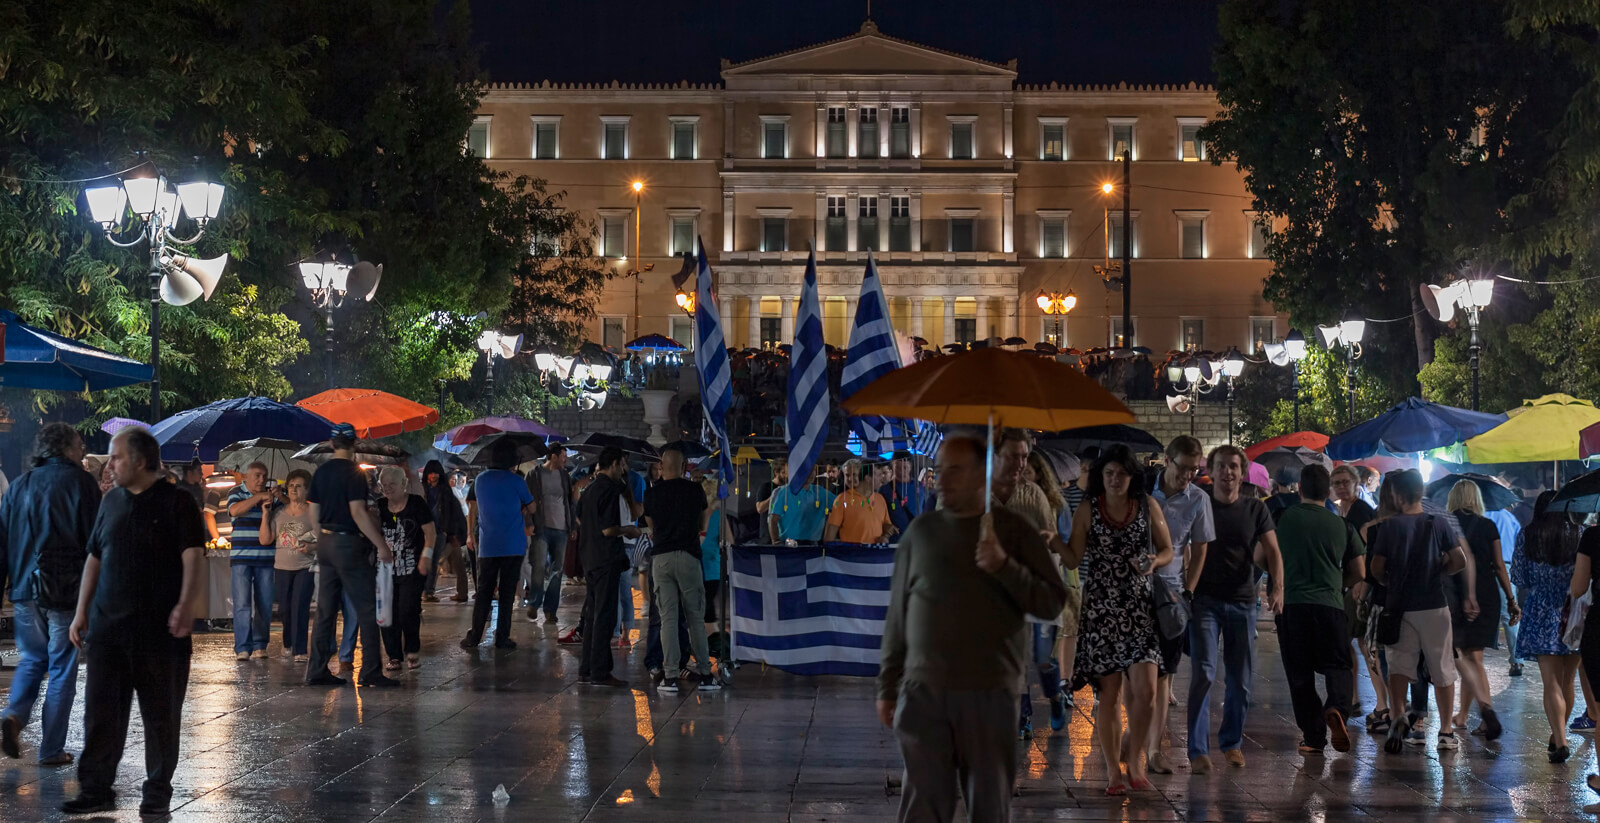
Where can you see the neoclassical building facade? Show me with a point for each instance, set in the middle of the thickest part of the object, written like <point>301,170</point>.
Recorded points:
<point>973,193</point>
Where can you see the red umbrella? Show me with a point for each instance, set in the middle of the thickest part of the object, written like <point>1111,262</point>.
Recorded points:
<point>1314,441</point>
<point>374,413</point>
<point>1589,441</point>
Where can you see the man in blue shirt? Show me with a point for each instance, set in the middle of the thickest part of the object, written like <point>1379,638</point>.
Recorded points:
<point>1188,513</point>
<point>250,505</point>
<point>902,493</point>
<point>499,506</point>
<point>799,516</point>
<point>1510,529</point>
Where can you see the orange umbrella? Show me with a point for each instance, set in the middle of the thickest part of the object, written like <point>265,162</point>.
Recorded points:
<point>1315,441</point>
<point>991,386</point>
<point>374,413</point>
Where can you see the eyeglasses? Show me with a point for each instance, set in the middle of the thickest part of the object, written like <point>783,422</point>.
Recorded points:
<point>1185,468</point>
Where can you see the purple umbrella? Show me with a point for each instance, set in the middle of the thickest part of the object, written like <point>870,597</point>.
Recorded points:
<point>468,432</point>
<point>117,424</point>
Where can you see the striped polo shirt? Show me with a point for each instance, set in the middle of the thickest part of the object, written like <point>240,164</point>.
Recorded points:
<point>246,537</point>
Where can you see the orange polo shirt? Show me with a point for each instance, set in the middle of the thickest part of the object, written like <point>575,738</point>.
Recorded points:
<point>861,519</point>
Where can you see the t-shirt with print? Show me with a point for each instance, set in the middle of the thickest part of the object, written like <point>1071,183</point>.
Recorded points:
<point>403,530</point>
<point>246,539</point>
<point>501,496</point>
<point>1420,573</point>
<point>1229,573</point>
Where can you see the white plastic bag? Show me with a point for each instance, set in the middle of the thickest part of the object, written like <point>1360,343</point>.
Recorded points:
<point>1572,623</point>
<point>385,594</point>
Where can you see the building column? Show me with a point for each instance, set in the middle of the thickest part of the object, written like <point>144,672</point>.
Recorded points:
<point>725,318</point>
<point>1008,222</point>
<point>850,305</point>
<point>852,210</point>
<point>788,317</point>
<point>916,316</point>
<point>884,110</point>
<point>1007,132</point>
<point>754,341</point>
<point>1010,308</point>
<point>819,232</point>
<point>820,145</point>
<point>852,132</point>
<point>885,208</point>
<point>949,319</point>
<point>916,221</point>
<point>916,129</point>
<point>727,222</point>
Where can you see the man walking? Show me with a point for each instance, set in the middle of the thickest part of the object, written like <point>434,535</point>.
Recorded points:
<point>676,512</point>
<point>604,561</point>
<point>551,487</point>
<point>45,520</point>
<point>141,585</point>
<point>1322,556</point>
<point>349,536</point>
<point>955,645</point>
<point>498,507</point>
<point>250,504</point>
<point>1188,513</point>
<point>1224,608</point>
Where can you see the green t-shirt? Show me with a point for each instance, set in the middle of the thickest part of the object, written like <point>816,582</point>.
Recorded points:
<point>1316,544</point>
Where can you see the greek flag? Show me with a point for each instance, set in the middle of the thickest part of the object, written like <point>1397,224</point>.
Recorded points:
<point>929,438</point>
<point>808,384</point>
<point>811,610</point>
<point>711,360</point>
<point>873,353</point>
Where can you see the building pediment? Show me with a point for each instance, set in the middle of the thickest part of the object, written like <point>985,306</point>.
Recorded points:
<point>868,52</point>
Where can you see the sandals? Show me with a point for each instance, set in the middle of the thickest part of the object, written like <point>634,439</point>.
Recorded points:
<point>391,666</point>
<point>1378,721</point>
<point>1116,790</point>
<point>414,660</point>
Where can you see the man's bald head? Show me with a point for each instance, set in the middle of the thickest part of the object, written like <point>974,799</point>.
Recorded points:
<point>671,463</point>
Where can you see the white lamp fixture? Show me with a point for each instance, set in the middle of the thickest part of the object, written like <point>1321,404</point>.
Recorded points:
<point>1232,363</point>
<point>1294,345</point>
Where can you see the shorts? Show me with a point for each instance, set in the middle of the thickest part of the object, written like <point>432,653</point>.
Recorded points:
<point>1071,612</point>
<point>1172,651</point>
<point>1425,639</point>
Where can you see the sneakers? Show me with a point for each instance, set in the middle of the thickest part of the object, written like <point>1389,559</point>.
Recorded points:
<point>668,686</point>
<point>1058,714</point>
<point>1448,741</point>
<point>242,656</point>
<point>657,677</point>
<point>1234,757</point>
<point>11,736</point>
<point>1417,737</point>
<point>1395,742</point>
<point>1200,764</point>
<point>1066,698</point>
<point>1581,723</point>
<point>1025,732</point>
<point>85,804</point>
<point>1336,731</point>
<point>708,683</point>
<point>571,638</point>
<point>258,654</point>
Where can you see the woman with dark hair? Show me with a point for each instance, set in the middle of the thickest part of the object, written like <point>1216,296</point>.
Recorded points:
<point>451,523</point>
<point>293,564</point>
<point>1542,569</point>
<point>1118,540</point>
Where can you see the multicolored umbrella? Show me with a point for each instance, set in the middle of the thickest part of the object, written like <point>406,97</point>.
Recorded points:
<point>482,427</point>
<point>1412,425</point>
<point>117,424</point>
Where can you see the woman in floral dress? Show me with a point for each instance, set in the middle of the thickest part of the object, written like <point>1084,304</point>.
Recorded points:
<point>1541,569</point>
<point>1118,539</point>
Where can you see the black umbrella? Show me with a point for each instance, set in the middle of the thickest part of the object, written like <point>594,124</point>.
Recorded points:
<point>451,462</point>
<point>1495,496</point>
<point>1293,459</point>
<point>375,452</point>
<point>511,447</point>
<point>595,441</point>
<point>1579,495</point>
<point>691,450</point>
<point>1074,441</point>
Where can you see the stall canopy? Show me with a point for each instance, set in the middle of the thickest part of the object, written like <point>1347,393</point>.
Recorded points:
<point>374,413</point>
<point>40,359</point>
<point>1412,425</point>
<point>1542,430</point>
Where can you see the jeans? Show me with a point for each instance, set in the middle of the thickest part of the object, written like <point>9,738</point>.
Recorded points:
<point>555,542</point>
<point>624,604</point>
<point>681,593</point>
<point>495,573</point>
<point>116,675</point>
<point>295,590</point>
<point>1044,657</point>
<point>403,635</point>
<point>654,655</point>
<point>347,641</point>
<point>42,639</point>
<point>348,568</point>
<point>1511,631</point>
<point>600,616</point>
<point>252,606</point>
<point>1234,626</point>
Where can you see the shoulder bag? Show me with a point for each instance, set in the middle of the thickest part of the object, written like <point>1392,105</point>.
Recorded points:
<point>1386,627</point>
<point>1172,611</point>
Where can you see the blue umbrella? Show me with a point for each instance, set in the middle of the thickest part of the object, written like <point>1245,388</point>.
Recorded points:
<point>656,342</point>
<point>1412,425</point>
<point>39,359</point>
<point>204,431</point>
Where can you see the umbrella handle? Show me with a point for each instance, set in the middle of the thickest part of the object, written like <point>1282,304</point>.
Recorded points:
<point>988,470</point>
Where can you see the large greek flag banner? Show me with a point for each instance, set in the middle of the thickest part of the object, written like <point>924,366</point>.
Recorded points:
<point>811,610</point>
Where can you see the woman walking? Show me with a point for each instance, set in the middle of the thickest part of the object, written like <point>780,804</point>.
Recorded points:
<point>1542,570</point>
<point>1118,540</point>
<point>1474,634</point>
<point>407,524</point>
<point>294,562</point>
<point>1586,578</point>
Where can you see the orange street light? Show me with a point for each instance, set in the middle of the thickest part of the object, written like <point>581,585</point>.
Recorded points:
<point>638,186</point>
<point>1057,305</point>
<point>1106,188</point>
<point>685,302</point>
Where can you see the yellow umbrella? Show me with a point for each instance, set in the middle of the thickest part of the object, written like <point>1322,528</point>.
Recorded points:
<point>991,386</point>
<point>1541,430</point>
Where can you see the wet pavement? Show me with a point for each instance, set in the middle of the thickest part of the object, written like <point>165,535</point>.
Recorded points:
<point>261,748</point>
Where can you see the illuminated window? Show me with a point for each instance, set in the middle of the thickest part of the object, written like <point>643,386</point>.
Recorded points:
<point>1193,331</point>
<point>867,138</point>
<point>834,240</point>
<point>1263,330</point>
<point>838,138</point>
<point>867,225</point>
<point>1122,137</point>
<point>478,138</point>
<point>1190,146</point>
<point>1052,138</point>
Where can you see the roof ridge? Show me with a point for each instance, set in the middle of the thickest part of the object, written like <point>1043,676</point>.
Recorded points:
<point>870,29</point>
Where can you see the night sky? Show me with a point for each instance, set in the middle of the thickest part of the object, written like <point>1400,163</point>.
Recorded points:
<point>1068,41</point>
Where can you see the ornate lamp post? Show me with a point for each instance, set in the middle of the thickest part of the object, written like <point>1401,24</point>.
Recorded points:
<point>1055,304</point>
<point>1347,332</point>
<point>177,278</point>
<point>1232,368</point>
<point>330,283</point>
<point>1472,297</point>
<point>493,343</point>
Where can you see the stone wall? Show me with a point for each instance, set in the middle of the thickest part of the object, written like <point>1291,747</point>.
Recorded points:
<point>621,415</point>
<point>1209,421</point>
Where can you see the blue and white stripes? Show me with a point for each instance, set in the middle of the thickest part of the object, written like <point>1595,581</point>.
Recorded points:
<point>711,360</point>
<point>873,353</point>
<point>808,384</point>
<point>811,610</point>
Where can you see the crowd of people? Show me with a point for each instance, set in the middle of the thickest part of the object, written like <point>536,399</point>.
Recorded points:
<point>1141,566</point>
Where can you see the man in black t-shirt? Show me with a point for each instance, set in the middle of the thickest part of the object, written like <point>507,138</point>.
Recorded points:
<point>345,554</point>
<point>142,585</point>
<point>1224,608</point>
<point>675,509</point>
<point>604,561</point>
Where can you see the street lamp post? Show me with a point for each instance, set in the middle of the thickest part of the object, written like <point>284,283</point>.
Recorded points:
<point>330,283</point>
<point>1232,368</point>
<point>639,266</point>
<point>1348,332</point>
<point>493,343</point>
<point>570,375</point>
<point>1295,346</point>
<point>1472,297</point>
<point>1056,305</point>
<point>175,278</point>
